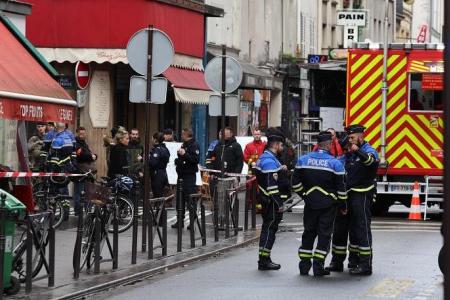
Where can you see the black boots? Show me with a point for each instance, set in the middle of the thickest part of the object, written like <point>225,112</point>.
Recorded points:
<point>319,269</point>
<point>335,267</point>
<point>266,264</point>
<point>361,271</point>
<point>304,267</point>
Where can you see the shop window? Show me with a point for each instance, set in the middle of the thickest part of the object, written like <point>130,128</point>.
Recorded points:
<point>426,92</point>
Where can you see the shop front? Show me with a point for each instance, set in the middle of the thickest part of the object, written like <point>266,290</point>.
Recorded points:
<point>28,94</point>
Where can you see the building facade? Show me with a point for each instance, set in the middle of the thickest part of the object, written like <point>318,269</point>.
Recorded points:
<point>66,39</point>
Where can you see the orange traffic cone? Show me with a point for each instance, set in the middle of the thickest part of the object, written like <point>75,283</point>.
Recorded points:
<point>414,211</point>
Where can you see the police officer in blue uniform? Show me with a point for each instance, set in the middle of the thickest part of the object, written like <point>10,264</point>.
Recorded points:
<point>361,164</point>
<point>267,172</point>
<point>62,149</point>
<point>319,179</point>
<point>158,159</point>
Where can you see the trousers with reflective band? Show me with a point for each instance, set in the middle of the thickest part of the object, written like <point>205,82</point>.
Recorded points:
<point>318,223</point>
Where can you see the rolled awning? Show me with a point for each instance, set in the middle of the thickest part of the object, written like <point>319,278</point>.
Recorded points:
<point>189,85</point>
<point>27,91</point>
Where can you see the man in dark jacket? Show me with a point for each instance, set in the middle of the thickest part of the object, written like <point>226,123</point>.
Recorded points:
<point>84,161</point>
<point>227,154</point>
<point>158,159</point>
<point>136,152</point>
<point>187,167</point>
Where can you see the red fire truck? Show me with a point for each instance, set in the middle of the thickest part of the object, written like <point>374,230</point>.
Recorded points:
<point>406,128</point>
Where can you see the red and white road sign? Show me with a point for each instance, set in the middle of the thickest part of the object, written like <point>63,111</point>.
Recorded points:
<point>82,74</point>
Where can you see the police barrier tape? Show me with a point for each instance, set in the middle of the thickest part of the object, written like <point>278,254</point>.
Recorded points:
<point>36,174</point>
<point>202,169</point>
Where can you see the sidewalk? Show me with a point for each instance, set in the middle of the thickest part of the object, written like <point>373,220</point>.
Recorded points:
<point>68,288</point>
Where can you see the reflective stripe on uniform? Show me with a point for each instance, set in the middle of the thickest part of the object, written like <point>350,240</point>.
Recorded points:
<point>318,188</point>
<point>267,193</point>
<point>362,190</point>
<point>318,255</point>
<point>353,248</point>
<point>284,196</point>
<point>369,160</point>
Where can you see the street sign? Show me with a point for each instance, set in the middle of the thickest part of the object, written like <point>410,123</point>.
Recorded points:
<point>351,18</point>
<point>82,74</point>
<point>231,106</point>
<point>138,90</point>
<point>350,35</point>
<point>162,52</point>
<point>233,74</point>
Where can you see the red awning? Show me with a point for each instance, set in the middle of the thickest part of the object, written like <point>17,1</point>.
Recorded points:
<point>189,85</point>
<point>27,91</point>
<point>184,78</point>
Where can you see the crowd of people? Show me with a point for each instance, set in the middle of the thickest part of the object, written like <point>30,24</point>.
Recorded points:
<point>336,181</point>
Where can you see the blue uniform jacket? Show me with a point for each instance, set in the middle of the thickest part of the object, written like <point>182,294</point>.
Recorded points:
<point>267,170</point>
<point>320,179</point>
<point>361,167</point>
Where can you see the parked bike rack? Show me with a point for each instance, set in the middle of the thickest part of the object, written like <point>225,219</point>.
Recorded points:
<point>157,217</point>
<point>40,243</point>
<point>194,220</point>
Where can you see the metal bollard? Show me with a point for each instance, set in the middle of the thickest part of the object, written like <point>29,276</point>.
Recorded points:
<point>29,266</point>
<point>2,240</point>
<point>247,194</point>
<point>135,225</point>
<point>51,252</point>
<point>79,239</point>
<point>236,214</point>
<point>98,236</point>
<point>179,214</point>
<point>254,192</point>
<point>227,213</point>
<point>145,207</point>
<point>203,214</point>
<point>192,215</point>
<point>164,228</point>
<point>216,213</point>
<point>150,223</point>
<point>115,240</point>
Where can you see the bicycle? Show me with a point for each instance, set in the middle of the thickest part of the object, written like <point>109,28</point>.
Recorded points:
<point>47,197</point>
<point>40,233</point>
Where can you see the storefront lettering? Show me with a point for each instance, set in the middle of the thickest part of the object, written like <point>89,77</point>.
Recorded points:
<point>65,114</point>
<point>31,111</point>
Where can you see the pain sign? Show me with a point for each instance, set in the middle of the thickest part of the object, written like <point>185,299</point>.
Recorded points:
<point>352,18</point>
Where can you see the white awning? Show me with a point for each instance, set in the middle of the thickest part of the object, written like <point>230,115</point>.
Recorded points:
<point>112,56</point>
<point>192,96</point>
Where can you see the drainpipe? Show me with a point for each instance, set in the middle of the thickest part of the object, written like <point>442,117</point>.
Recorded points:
<point>384,87</point>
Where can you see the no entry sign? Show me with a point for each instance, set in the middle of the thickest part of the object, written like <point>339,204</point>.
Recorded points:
<point>82,74</point>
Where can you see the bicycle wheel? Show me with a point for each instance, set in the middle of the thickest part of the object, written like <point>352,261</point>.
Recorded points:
<point>19,262</point>
<point>58,211</point>
<point>87,240</point>
<point>125,214</point>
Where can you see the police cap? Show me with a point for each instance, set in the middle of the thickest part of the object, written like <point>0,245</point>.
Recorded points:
<point>275,135</point>
<point>324,136</point>
<point>355,128</point>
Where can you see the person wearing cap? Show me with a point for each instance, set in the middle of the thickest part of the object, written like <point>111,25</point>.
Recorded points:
<point>319,179</point>
<point>361,164</point>
<point>267,170</point>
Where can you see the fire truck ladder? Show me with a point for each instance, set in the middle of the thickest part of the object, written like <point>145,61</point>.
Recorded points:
<point>434,193</point>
